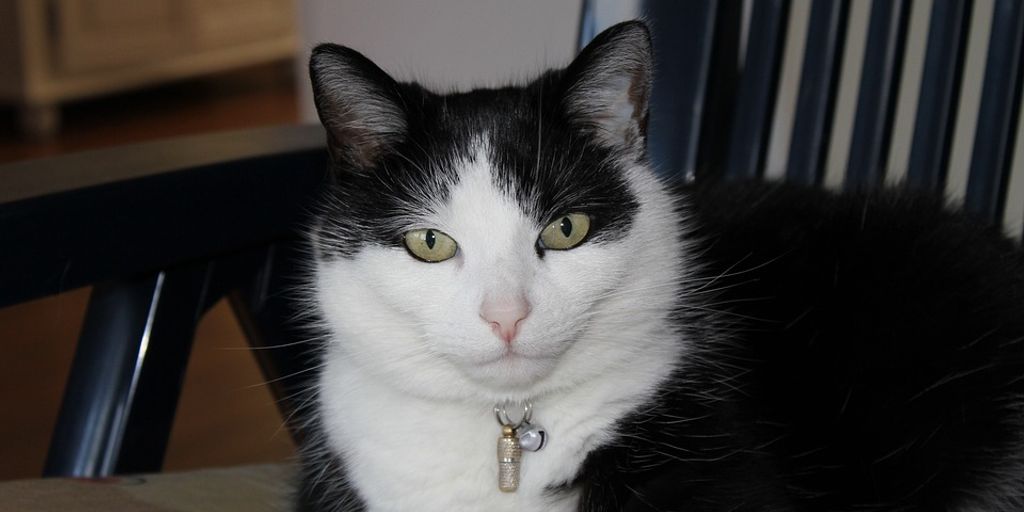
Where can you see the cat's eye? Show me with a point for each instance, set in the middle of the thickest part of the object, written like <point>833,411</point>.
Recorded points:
<point>430,245</point>
<point>565,232</point>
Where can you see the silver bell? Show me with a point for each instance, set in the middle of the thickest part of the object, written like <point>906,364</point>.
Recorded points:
<point>532,437</point>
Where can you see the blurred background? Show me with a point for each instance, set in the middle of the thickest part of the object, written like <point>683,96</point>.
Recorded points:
<point>83,74</point>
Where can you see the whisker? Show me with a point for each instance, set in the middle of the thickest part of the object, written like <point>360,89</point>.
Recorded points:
<point>284,377</point>
<point>272,347</point>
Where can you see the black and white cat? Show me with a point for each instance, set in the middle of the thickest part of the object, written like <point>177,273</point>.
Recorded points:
<point>725,348</point>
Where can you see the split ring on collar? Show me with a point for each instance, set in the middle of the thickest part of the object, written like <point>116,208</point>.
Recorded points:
<point>501,413</point>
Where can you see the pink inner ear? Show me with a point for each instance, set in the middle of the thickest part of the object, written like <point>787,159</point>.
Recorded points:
<point>505,314</point>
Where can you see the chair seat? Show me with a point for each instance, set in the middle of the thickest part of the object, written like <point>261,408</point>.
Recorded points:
<point>244,489</point>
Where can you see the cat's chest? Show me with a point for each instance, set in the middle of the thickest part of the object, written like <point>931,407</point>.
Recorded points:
<point>415,456</point>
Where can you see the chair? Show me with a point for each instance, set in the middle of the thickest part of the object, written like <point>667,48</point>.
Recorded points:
<point>162,230</point>
<point>842,94</point>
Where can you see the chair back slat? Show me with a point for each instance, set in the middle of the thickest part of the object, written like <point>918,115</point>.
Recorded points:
<point>879,82</point>
<point>755,101</point>
<point>937,99</point>
<point>779,142</point>
<point>845,110</point>
<point>1000,103</point>
<point>684,34</point>
<point>1013,212</point>
<point>969,101</point>
<point>911,82</point>
<point>818,80</point>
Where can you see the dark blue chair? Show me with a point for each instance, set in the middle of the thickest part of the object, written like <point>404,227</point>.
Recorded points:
<point>162,231</point>
<point>840,93</point>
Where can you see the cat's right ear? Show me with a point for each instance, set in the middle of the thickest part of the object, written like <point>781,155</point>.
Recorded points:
<point>358,103</point>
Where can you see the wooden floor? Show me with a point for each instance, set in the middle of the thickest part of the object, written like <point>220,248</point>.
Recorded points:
<point>225,416</point>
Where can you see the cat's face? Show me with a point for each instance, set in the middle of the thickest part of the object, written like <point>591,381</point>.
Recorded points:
<point>495,243</point>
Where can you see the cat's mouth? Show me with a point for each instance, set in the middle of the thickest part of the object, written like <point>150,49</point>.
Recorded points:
<point>509,368</point>
<point>510,356</point>
<point>487,351</point>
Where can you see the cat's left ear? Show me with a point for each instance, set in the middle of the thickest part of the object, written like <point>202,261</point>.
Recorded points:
<point>608,86</point>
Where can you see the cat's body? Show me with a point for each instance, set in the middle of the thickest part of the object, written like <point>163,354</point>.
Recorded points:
<point>742,347</point>
<point>872,360</point>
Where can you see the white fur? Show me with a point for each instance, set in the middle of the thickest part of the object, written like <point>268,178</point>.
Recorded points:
<point>412,372</point>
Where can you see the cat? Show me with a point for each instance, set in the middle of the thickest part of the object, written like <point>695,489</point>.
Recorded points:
<point>708,347</point>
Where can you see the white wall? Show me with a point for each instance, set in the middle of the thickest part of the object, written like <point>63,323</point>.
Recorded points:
<point>444,43</point>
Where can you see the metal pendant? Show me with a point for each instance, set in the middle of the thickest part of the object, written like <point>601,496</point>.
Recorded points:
<point>516,436</point>
<point>509,456</point>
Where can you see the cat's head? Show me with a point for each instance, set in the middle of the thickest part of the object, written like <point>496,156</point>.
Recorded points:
<point>497,243</point>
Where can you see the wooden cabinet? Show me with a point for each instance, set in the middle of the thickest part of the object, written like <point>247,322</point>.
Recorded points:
<point>57,50</point>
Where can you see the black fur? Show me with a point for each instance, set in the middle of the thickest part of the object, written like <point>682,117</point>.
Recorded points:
<point>571,172</point>
<point>865,354</point>
<point>323,479</point>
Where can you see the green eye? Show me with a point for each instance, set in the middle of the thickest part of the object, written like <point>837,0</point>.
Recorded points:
<point>430,245</point>
<point>566,232</point>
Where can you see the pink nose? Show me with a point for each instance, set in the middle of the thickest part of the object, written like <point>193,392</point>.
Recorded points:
<point>505,314</point>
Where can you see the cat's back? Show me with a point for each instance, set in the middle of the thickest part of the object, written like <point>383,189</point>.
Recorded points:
<point>889,260</point>
<point>875,344</point>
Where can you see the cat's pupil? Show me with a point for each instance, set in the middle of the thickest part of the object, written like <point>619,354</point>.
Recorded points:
<point>566,226</point>
<point>430,239</point>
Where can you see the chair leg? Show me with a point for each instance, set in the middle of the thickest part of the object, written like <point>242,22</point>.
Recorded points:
<point>123,388</point>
